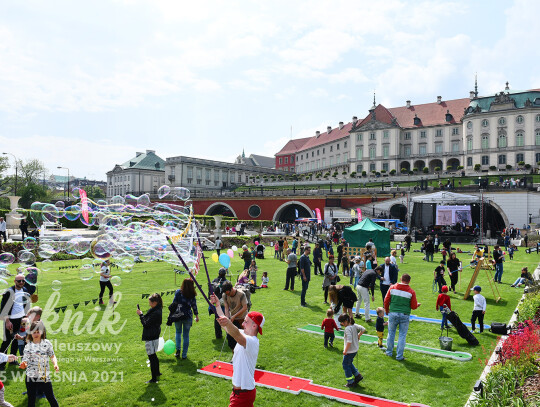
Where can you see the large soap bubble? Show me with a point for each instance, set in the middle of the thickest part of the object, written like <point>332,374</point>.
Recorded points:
<point>7,258</point>
<point>163,191</point>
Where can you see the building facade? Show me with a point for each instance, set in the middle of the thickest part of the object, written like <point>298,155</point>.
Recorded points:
<point>286,157</point>
<point>143,174</point>
<point>473,134</point>
<point>201,174</point>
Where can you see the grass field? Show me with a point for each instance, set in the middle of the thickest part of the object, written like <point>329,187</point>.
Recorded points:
<point>91,381</point>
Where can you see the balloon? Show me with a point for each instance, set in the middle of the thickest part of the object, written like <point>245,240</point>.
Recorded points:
<point>234,248</point>
<point>161,342</point>
<point>169,347</point>
<point>215,257</point>
<point>224,260</point>
<point>256,243</point>
<point>230,253</point>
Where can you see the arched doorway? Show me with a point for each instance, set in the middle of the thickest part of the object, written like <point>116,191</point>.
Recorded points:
<point>419,164</point>
<point>220,208</point>
<point>405,164</point>
<point>398,211</point>
<point>287,212</point>
<point>434,164</point>
<point>453,163</point>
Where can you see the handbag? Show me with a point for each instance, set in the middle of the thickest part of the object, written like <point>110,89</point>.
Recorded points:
<point>338,279</point>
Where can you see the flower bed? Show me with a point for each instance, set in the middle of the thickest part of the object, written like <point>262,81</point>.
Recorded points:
<point>514,380</point>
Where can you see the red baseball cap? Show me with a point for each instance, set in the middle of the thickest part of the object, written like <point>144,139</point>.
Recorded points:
<point>258,318</point>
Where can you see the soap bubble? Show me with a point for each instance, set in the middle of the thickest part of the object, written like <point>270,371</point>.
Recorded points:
<point>31,275</point>
<point>73,212</point>
<point>76,193</point>
<point>181,193</point>
<point>85,273</point>
<point>30,243</point>
<point>56,285</point>
<point>46,265</point>
<point>163,191</point>
<point>4,285</point>
<point>6,258</point>
<point>26,258</point>
<point>116,281</point>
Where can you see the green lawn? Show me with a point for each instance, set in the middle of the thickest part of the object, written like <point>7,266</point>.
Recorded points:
<point>421,378</point>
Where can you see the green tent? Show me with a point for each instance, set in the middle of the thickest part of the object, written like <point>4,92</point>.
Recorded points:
<point>359,234</point>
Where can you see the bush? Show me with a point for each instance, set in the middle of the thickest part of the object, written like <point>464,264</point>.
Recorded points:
<point>364,173</point>
<point>425,170</point>
<point>437,169</point>
<point>415,169</point>
<point>492,168</point>
<point>508,167</point>
<point>528,166</point>
<point>521,163</point>
<point>477,167</point>
<point>353,174</point>
<point>392,172</point>
<point>404,170</point>
<point>383,171</point>
<point>460,167</point>
<point>449,168</point>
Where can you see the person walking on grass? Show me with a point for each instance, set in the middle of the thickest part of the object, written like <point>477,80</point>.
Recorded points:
<point>292,261</point>
<point>151,322</point>
<point>305,274</point>
<point>352,334</point>
<point>398,303</point>
<point>182,315</point>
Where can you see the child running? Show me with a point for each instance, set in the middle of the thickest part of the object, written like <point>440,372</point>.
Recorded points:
<point>353,332</point>
<point>329,325</point>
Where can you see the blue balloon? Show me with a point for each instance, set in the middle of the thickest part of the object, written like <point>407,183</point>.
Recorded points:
<point>224,260</point>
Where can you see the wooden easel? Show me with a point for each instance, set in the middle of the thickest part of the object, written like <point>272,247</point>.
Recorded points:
<point>480,266</point>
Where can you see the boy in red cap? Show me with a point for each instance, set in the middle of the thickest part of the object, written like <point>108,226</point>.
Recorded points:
<point>443,302</point>
<point>245,355</point>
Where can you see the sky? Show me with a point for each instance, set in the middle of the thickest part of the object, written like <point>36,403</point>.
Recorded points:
<point>85,85</point>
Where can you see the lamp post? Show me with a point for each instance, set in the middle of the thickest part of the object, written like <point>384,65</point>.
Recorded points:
<point>16,167</point>
<point>66,168</point>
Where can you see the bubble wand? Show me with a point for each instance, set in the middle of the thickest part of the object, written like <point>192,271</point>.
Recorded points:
<point>210,287</point>
<point>190,273</point>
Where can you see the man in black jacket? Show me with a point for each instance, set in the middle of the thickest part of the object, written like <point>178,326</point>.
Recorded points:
<point>14,302</point>
<point>365,285</point>
<point>389,274</point>
<point>317,259</point>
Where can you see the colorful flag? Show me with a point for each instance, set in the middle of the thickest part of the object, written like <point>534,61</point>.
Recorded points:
<point>353,213</point>
<point>359,214</point>
<point>296,212</point>
<point>318,215</point>
<point>84,204</point>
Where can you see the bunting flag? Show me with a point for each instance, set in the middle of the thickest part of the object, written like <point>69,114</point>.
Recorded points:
<point>76,305</point>
<point>57,309</point>
<point>145,296</point>
<point>87,302</point>
<point>94,300</point>
<point>63,308</point>
<point>359,211</point>
<point>197,266</point>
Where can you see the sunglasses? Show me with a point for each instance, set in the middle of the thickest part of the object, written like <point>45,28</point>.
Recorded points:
<point>19,281</point>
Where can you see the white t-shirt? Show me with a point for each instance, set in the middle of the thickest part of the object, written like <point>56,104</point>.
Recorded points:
<point>18,305</point>
<point>351,335</point>
<point>393,260</point>
<point>244,361</point>
<point>386,275</point>
<point>107,271</point>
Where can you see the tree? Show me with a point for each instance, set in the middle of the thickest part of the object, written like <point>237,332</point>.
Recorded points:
<point>31,171</point>
<point>508,167</point>
<point>492,168</point>
<point>449,168</point>
<point>94,192</point>
<point>477,167</point>
<point>437,169</point>
<point>404,170</point>
<point>415,169</point>
<point>353,174</point>
<point>528,166</point>
<point>31,193</point>
<point>425,170</point>
<point>521,163</point>
<point>335,174</point>
<point>393,172</point>
<point>365,173</point>
<point>460,167</point>
<point>383,171</point>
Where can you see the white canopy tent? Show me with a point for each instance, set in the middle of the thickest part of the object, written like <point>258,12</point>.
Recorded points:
<point>445,197</point>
